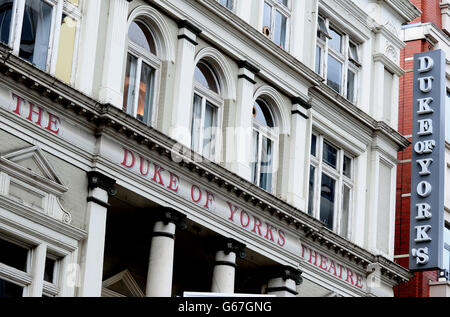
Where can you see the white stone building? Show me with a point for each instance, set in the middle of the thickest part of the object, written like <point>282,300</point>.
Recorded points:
<point>261,134</point>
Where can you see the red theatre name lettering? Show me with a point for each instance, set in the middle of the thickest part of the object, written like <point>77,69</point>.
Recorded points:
<point>321,261</point>
<point>36,114</point>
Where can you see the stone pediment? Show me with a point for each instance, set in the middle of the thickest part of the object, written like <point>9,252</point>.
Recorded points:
<point>121,285</point>
<point>27,177</point>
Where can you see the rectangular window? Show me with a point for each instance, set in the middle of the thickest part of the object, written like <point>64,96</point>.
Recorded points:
<point>330,185</point>
<point>276,14</point>
<point>337,59</point>
<point>388,89</point>
<point>334,73</point>
<point>130,84</point>
<point>10,290</point>
<point>204,127</point>
<point>447,118</point>
<point>14,255</point>
<point>6,9</point>
<point>35,38</point>
<point>66,48</point>
<point>144,107</point>
<point>327,200</point>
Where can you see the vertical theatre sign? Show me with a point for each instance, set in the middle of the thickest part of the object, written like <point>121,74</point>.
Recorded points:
<point>428,162</point>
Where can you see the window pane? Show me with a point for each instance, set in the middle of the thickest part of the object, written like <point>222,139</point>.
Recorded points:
<point>205,77</point>
<point>37,21</point>
<point>144,110</point>
<point>227,3</point>
<point>345,211</point>
<point>209,131</point>
<point>255,158</point>
<point>8,289</point>
<point>138,33</point>
<point>267,21</point>
<point>351,86</point>
<point>329,155</point>
<point>283,2</point>
<point>13,255</point>
<point>262,114</point>
<point>130,84</point>
<point>327,200</point>
<point>336,41</point>
<point>265,181</point>
<point>196,123</point>
<point>5,19</point>
<point>312,171</point>
<point>280,30</point>
<point>49,270</point>
<point>347,168</point>
<point>313,145</point>
<point>322,29</point>
<point>353,52</point>
<point>66,46</point>
<point>318,59</point>
<point>334,73</point>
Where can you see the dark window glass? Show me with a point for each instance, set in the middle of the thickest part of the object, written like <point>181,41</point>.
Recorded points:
<point>8,289</point>
<point>34,41</point>
<point>144,109</point>
<point>335,40</point>
<point>13,255</point>
<point>262,114</point>
<point>5,19</point>
<point>140,34</point>
<point>447,247</point>
<point>314,145</point>
<point>265,180</point>
<point>334,73</point>
<point>327,200</point>
<point>49,270</point>
<point>205,76</point>
<point>329,155</point>
<point>280,29</point>
<point>347,168</point>
<point>312,171</point>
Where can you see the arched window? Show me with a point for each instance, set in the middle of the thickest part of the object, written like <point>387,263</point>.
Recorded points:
<point>141,73</point>
<point>206,105</point>
<point>263,145</point>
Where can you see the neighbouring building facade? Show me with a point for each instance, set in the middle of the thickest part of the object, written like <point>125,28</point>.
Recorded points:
<point>428,32</point>
<point>196,148</point>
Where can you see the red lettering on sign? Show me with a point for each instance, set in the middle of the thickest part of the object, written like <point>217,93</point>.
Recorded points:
<point>19,99</point>
<point>157,178</point>
<point>53,121</point>
<point>233,210</point>
<point>359,281</point>
<point>312,254</point>
<point>269,232</point>
<point>258,225</point>
<point>127,153</point>
<point>243,224</point>
<point>323,262</point>
<point>281,238</point>
<point>38,113</point>
<point>141,167</point>
<point>173,182</point>
<point>332,266</point>
<point>209,199</point>
<point>193,188</point>
<point>349,275</point>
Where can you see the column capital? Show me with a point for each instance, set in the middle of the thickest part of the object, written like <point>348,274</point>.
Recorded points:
<point>300,106</point>
<point>286,273</point>
<point>99,180</point>
<point>168,215</point>
<point>228,245</point>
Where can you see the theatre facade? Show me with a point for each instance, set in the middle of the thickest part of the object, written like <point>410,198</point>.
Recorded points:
<point>201,148</point>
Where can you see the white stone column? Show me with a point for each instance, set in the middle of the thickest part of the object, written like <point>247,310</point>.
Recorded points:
<point>100,187</point>
<point>239,152</point>
<point>296,160</point>
<point>284,282</point>
<point>111,90</point>
<point>183,85</point>
<point>223,279</point>
<point>160,267</point>
<point>39,255</point>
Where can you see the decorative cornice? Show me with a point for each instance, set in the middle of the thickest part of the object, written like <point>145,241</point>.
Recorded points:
<point>286,273</point>
<point>189,26</point>
<point>247,65</point>
<point>405,9</point>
